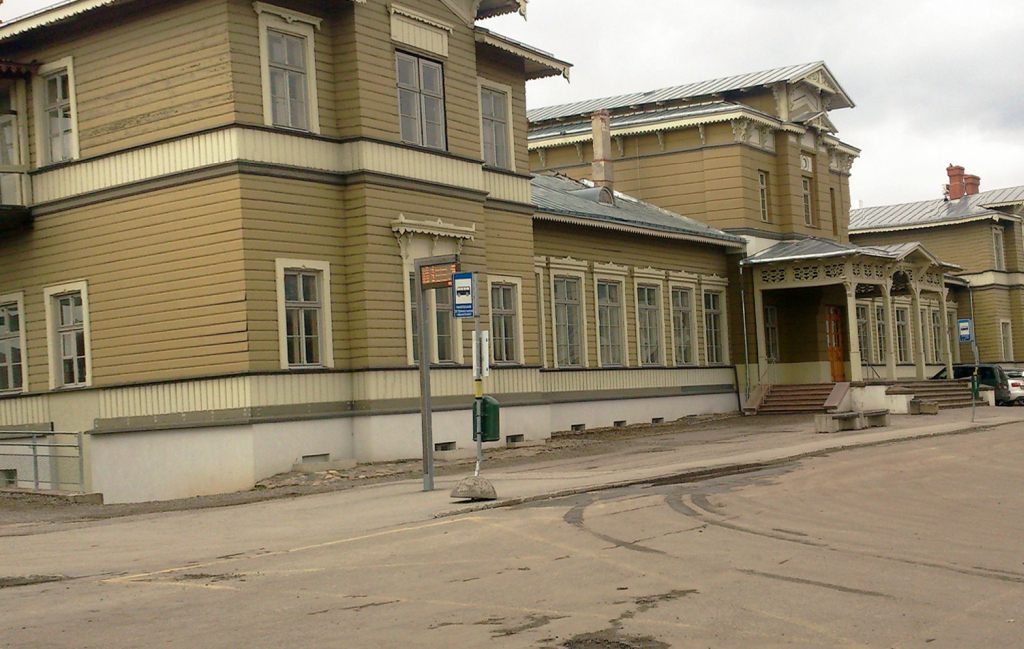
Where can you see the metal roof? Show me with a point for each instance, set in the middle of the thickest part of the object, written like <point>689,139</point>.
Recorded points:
<point>562,196</point>
<point>935,212</point>
<point>619,122</point>
<point>537,63</point>
<point>814,248</point>
<point>690,91</point>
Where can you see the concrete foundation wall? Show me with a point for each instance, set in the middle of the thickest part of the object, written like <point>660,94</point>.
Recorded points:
<point>163,465</point>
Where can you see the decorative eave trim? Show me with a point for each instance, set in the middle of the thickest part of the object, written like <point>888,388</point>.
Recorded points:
<point>507,7</point>
<point>549,64</point>
<point>288,15</point>
<point>575,220</point>
<point>937,224</point>
<point>438,228</point>
<point>417,16</point>
<point>823,79</point>
<point>839,145</point>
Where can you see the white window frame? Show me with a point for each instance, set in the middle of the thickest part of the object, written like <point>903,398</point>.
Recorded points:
<point>53,347</point>
<point>687,282</point>
<point>18,300</point>
<point>517,283</point>
<point>542,336</point>
<point>612,273</point>
<point>323,268</point>
<point>656,278</point>
<point>569,267</point>
<point>764,196</point>
<point>420,94</point>
<point>493,86</point>
<point>297,24</point>
<point>46,71</point>
<point>999,248</point>
<point>806,185</point>
<point>936,325</point>
<point>715,285</point>
<point>903,327</point>
<point>881,334</point>
<point>1006,339</point>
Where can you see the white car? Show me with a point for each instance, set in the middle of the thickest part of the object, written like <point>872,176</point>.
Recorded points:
<point>1016,378</point>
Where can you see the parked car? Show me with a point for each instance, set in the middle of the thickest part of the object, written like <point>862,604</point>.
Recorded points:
<point>1016,378</point>
<point>988,374</point>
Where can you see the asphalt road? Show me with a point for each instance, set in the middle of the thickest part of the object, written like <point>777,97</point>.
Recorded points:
<point>912,544</point>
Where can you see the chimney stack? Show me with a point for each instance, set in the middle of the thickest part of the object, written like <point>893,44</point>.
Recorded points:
<point>602,170</point>
<point>972,184</point>
<point>956,182</point>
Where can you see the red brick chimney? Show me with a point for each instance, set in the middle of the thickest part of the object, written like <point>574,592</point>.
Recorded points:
<point>972,184</point>
<point>956,182</point>
<point>602,169</point>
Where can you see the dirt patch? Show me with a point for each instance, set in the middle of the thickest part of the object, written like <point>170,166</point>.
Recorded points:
<point>23,514</point>
<point>612,639</point>
<point>31,580</point>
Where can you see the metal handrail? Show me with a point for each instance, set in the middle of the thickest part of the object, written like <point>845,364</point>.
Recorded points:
<point>772,366</point>
<point>30,442</point>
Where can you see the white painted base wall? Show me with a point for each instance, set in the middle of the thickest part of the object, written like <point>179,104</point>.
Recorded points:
<point>164,465</point>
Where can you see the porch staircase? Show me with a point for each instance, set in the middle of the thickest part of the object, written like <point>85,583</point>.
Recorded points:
<point>948,394</point>
<point>793,399</point>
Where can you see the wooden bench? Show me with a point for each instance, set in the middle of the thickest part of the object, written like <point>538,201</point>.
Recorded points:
<point>833,422</point>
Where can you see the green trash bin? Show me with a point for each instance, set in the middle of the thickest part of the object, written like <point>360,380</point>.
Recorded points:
<point>488,423</point>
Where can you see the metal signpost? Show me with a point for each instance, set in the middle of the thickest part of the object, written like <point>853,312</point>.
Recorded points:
<point>966,328</point>
<point>465,306</point>
<point>431,273</point>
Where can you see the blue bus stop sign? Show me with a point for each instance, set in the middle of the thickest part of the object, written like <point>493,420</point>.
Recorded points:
<point>966,330</point>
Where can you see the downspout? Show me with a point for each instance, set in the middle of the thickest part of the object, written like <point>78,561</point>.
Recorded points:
<point>746,345</point>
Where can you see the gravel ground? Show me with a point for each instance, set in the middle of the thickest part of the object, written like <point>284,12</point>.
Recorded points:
<point>18,509</point>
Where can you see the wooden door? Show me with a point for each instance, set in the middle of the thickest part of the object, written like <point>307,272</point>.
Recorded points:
<point>834,339</point>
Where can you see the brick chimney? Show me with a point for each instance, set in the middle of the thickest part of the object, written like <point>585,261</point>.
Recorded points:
<point>972,184</point>
<point>602,169</point>
<point>956,182</point>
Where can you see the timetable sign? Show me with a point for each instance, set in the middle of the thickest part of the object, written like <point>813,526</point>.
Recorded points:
<point>438,275</point>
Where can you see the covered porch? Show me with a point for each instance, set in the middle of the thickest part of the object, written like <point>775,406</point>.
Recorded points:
<point>826,312</point>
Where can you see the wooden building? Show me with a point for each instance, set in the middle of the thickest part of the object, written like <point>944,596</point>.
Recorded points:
<point>981,233</point>
<point>211,212</point>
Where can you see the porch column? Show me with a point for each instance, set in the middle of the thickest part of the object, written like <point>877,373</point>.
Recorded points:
<point>890,331</point>
<point>856,371</point>
<point>920,357</point>
<point>947,350</point>
<point>762,353</point>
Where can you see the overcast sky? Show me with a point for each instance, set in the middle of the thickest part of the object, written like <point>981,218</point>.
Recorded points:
<point>934,81</point>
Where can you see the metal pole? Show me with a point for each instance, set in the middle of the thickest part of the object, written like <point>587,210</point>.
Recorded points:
<point>425,418</point>
<point>81,461</point>
<point>974,349</point>
<point>746,343</point>
<point>35,462</point>
<point>478,385</point>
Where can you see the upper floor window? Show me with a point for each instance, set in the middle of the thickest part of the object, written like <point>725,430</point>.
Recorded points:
<point>762,189</point>
<point>494,115</point>
<point>807,202</point>
<point>288,68</point>
<point>11,364</point>
<point>998,248</point>
<point>421,101</point>
<point>56,123</point>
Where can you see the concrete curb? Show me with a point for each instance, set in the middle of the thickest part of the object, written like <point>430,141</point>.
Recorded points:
<point>710,472</point>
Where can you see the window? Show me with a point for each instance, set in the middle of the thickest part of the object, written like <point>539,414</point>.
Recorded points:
<point>421,101</point>
<point>880,332</point>
<point>835,215</point>
<point>923,323</point>
<point>71,332</point>
<point>682,324</point>
<point>649,324</point>
<point>954,335</point>
<point>902,342</point>
<point>568,350</point>
<point>771,332</point>
<point>808,211</point>
<point>713,328</point>
<point>762,188</point>
<point>494,114</point>
<point>444,318</point>
<point>1006,338</point>
<point>288,68</point>
<point>998,248</point>
<point>937,337</point>
<point>863,339</point>
<point>304,313</point>
<point>609,322</point>
<point>503,323</point>
<point>11,344</point>
<point>56,126</point>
